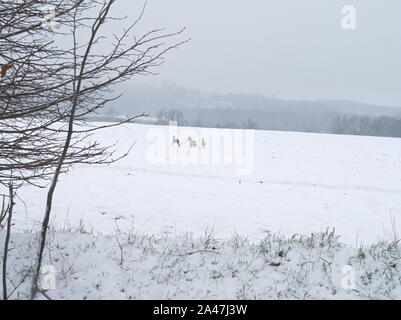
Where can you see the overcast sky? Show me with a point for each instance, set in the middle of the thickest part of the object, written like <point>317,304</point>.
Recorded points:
<point>294,49</point>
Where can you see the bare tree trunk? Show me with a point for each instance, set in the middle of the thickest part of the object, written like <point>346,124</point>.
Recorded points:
<point>3,212</point>
<point>77,89</point>
<point>120,64</point>
<point>7,241</point>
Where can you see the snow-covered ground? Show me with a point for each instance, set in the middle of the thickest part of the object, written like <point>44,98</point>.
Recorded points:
<point>296,183</point>
<point>79,265</point>
<point>152,226</point>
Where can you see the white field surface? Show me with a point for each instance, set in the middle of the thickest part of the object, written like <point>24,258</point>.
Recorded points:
<point>301,183</point>
<point>140,230</point>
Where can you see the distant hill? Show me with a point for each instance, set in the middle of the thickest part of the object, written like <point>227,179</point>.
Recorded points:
<point>239,110</point>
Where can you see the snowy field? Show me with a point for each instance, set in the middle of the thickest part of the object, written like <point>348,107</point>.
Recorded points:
<point>80,265</point>
<point>257,225</point>
<point>294,183</point>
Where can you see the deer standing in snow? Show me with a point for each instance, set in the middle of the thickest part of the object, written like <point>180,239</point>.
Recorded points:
<point>192,143</point>
<point>176,141</point>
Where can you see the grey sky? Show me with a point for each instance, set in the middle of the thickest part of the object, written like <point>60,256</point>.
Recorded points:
<point>293,48</point>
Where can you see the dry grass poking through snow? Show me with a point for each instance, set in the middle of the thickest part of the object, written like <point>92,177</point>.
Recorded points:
<point>133,266</point>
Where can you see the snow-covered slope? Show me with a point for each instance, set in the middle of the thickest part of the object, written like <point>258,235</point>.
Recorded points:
<point>299,183</point>
<point>78,265</point>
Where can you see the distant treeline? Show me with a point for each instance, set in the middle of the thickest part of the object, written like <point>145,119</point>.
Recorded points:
<point>367,126</point>
<point>247,111</point>
<point>382,126</point>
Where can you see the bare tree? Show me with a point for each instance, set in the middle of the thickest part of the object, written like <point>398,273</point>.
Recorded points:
<point>7,211</point>
<point>51,89</point>
<point>92,78</point>
<point>3,211</point>
<point>34,92</point>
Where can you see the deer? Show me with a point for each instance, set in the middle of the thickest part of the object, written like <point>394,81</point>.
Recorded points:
<point>4,68</point>
<point>192,143</point>
<point>203,143</point>
<point>176,141</point>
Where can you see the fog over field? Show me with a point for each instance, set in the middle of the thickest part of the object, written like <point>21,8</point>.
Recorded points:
<point>200,150</point>
<point>288,49</point>
<point>282,182</point>
<point>282,65</point>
